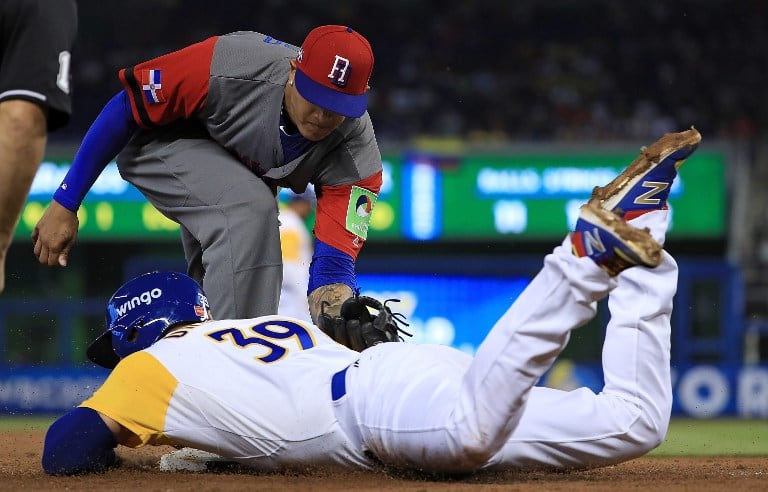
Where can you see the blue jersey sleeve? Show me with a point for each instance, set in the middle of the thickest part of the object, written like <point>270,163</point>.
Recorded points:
<point>108,134</point>
<point>78,442</point>
<point>330,266</point>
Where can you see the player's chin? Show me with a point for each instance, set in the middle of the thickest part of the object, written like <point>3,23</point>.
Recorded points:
<point>315,133</point>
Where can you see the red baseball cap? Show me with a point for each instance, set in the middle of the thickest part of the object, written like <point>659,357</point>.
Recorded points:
<point>334,66</point>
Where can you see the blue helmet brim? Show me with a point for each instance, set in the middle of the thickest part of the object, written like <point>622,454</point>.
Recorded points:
<point>100,351</point>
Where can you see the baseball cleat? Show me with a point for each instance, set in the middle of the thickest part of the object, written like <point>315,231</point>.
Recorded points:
<point>644,185</point>
<point>611,242</point>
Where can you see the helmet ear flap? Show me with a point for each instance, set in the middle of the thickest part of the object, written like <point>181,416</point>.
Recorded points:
<point>127,337</point>
<point>132,333</point>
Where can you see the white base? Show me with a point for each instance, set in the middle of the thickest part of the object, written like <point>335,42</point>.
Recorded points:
<point>190,459</point>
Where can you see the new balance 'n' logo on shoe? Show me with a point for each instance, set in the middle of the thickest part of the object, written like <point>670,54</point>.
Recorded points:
<point>611,242</point>
<point>645,184</point>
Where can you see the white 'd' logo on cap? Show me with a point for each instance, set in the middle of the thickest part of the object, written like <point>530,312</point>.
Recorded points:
<point>339,71</point>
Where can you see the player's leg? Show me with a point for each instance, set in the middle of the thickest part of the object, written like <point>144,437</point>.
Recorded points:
<point>225,208</point>
<point>527,339</point>
<point>629,417</point>
<point>448,421</point>
<point>34,97</point>
<point>193,254</point>
<point>240,251</point>
<point>22,146</point>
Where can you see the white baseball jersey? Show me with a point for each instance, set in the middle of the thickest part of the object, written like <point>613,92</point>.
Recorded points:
<point>274,393</point>
<point>257,391</point>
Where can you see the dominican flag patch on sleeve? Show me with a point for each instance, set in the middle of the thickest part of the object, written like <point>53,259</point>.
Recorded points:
<point>151,85</point>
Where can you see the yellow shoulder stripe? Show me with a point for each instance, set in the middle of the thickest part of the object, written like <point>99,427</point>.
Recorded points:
<point>136,395</point>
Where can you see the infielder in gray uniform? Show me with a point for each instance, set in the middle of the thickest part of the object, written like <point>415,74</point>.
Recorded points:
<point>36,38</point>
<point>210,132</point>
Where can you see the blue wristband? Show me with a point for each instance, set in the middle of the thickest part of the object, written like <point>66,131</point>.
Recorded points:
<point>330,266</point>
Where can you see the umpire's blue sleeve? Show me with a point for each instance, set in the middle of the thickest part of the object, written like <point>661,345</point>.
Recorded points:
<point>107,136</point>
<point>330,266</point>
<point>78,442</point>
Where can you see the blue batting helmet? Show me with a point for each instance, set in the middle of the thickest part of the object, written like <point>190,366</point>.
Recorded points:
<point>142,310</point>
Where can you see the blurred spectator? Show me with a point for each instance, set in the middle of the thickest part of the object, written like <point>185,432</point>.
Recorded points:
<point>532,70</point>
<point>296,244</point>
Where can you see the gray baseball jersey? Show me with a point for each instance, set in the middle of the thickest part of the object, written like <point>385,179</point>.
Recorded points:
<point>210,157</point>
<point>234,85</point>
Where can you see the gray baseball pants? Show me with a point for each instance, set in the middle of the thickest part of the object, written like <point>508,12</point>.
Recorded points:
<point>228,218</point>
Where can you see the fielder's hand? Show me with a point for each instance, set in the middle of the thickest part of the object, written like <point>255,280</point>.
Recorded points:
<point>55,234</point>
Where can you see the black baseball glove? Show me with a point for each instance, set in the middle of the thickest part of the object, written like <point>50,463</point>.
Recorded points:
<point>358,328</point>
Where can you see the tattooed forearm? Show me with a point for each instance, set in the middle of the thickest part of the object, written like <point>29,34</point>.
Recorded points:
<point>332,296</point>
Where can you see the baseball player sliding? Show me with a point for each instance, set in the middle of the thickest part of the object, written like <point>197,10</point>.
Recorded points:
<point>275,393</point>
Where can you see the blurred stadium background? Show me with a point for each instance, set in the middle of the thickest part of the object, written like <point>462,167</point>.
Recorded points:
<point>495,120</point>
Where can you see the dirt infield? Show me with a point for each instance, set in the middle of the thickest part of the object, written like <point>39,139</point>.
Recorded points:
<point>20,470</point>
